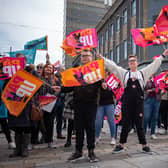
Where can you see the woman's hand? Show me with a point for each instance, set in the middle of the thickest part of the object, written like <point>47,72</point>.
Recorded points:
<point>104,85</point>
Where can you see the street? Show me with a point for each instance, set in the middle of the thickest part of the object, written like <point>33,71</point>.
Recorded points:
<point>132,157</point>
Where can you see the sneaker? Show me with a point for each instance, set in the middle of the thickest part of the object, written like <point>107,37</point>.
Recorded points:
<point>30,147</point>
<point>146,149</point>
<point>51,145</point>
<point>60,136</point>
<point>68,144</point>
<point>153,136</point>
<point>113,141</point>
<point>118,149</point>
<point>162,131</point>
<point>92,157</point>
<point>11,145</point>
<point>75,156</point>
<point>131,131</point>
<point>97,140</point>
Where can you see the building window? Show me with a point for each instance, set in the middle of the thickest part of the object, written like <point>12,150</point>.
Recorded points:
<point>118,54</point>
<point>106,37</point>
<point>118,23</point>
<point>133,8</point>
<point>112,29</point>
<point>125,49</point>
<point>125,16</point>
<point>111,55</point>
<point>133,46</point>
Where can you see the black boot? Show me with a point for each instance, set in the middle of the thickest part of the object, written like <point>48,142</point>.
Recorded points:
<point>18,142</point>
<point>68,144</point>
<point>91,156</point>
<point>25,142</point>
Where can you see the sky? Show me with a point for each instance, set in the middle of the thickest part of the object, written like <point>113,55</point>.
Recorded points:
<point>25,20</point>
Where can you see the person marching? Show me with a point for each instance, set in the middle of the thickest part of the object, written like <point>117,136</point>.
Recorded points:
<point>133,98</point>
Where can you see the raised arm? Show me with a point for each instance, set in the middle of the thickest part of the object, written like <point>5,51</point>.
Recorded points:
<point>154,66</point>
<point>112,67</point>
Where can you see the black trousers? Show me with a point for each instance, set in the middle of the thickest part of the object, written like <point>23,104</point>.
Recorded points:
<point>59,119</point>
<point>49,126</point>
<point>132,111</point>
<point>5,129</point>
<point>85,115</point>
<point>164,113</point>
<point>70,129</point>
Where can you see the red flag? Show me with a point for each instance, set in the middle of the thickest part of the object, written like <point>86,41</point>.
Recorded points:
<point>145,37</point>
<point>115,85</point>
<point>44,100</point>
<point>162,22</point>
<point>78,40</point>
<point>162,81</point>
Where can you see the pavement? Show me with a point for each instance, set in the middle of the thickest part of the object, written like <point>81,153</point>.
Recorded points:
<point>132,157</point>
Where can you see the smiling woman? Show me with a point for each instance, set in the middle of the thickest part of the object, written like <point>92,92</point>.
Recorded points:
<point>47,20</point>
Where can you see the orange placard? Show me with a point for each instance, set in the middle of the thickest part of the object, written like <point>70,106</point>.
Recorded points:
<point>19,91</point>
<point>83,75</point>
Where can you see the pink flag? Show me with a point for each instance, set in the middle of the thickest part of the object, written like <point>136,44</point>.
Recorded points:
<point>115,84</point>
<point>161,25</point>
<point>84,38</point>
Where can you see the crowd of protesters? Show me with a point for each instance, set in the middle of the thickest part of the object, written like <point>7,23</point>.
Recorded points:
<point>85,108</point>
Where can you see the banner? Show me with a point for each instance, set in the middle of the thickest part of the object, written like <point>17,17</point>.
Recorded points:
<point>118,113</point>
<point>38,44</point>
<point>84,38</point>
<point>29,54</point>
<point>9,66</point>
<point>116,86</point>
<point>44,100</point>
<point>161,81</point>
<point>83,75</point>
<point>79,40</point>
<point>145,37</point>
<point>19,91</point>
<point>69,50</point>
<point>161,24</point>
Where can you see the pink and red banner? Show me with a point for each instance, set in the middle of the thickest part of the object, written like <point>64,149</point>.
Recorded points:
<point>158,34</point>
<point>78,40</point>
<point>115,84</point>
<point>161,24</point>
<point>84,38</point>
<point>9,66</point>
<point>117,113</point>
<point>161,81</point>
<point>145,37</point>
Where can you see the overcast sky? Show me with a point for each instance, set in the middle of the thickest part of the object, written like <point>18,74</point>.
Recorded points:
<point>25,20</point>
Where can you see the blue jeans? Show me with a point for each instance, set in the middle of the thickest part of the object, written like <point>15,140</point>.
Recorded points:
<point>105,110</point>
<point>151,113</point>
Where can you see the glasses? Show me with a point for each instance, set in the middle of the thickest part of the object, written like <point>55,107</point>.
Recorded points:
<point>133,60</point>
<point>39,67</point>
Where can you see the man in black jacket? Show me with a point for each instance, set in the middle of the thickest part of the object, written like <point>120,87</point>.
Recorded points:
<point>85,107</point>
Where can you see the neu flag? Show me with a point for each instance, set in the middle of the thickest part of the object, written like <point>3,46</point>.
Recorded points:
<point>9,66</point>
<point>83,75</point>
<point>39,44</point>
<point>29,54</point>
<point>115,85</point>
<point>78,40</point>
<point>161,24</point>
<point>145,37</point>
<point>84,38</point>
<point>19,91</point>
